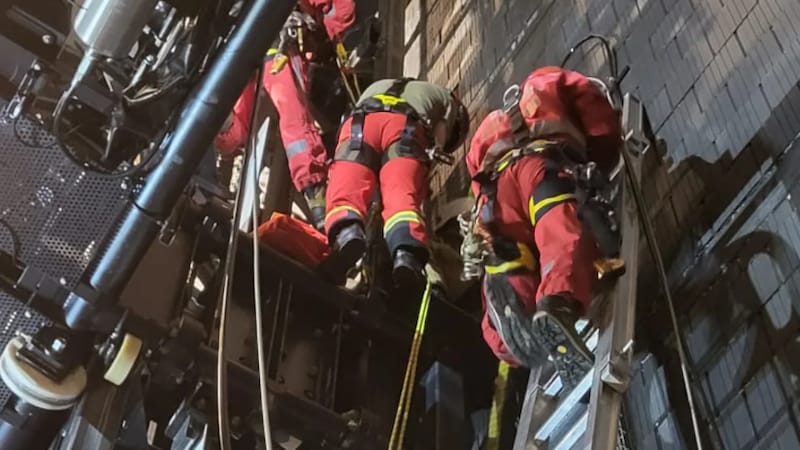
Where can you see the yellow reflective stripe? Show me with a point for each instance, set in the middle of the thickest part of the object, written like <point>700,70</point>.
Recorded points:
<point>534,207</point>
<point>388,100</point>
<point>402,216</point>
<point>340,209</point>
<point>272,51</point>
<point>525,260</point>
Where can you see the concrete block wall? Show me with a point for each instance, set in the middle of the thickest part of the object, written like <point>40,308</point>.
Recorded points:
<point>720,82</point>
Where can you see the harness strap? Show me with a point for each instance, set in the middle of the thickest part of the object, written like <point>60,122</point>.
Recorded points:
<point>357,130</point>
<point>552,191</point>
<point>390,101</point>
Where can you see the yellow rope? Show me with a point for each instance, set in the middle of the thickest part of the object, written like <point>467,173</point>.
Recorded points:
<point>493,439</point>
<point>401,417</point>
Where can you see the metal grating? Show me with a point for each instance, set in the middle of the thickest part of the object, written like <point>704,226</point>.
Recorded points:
<point>59,212</point>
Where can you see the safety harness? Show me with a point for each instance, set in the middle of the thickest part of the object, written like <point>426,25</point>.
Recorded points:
<point>389,101</point>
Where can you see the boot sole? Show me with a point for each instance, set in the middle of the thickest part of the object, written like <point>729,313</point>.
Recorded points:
<point>514,328</point>
<point>342,260</point>
<point>570,355</point>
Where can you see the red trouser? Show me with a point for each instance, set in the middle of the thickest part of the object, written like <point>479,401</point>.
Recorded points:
<point>566,250</point>
<point>403,181</point>
<point>303,144</point>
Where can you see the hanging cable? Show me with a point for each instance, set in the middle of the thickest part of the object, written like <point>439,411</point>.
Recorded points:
<point>262,363</point>
<point>406,393</point>
<point>223,421</point>
<point>664,281</point>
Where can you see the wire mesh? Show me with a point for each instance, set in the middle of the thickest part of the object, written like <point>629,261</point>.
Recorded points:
<point>59,212</point>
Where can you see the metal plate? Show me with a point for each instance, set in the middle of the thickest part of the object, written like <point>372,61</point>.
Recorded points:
<point>59,212</point>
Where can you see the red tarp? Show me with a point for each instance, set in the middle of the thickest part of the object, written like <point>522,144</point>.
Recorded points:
<point>294,238</point>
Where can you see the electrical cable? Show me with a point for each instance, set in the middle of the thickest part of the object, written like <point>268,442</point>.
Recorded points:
<point>651,241</point>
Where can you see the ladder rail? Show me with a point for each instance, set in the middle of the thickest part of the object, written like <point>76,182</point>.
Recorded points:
<point>615,344</point>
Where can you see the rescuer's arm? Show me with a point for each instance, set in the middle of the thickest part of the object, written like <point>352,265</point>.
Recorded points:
<point>338,16</point>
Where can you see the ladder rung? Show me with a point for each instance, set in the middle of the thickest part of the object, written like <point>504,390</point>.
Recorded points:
<point>565,407</point>
<point>573,436</point>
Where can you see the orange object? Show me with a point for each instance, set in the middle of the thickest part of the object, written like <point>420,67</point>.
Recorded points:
<point>294,238</point>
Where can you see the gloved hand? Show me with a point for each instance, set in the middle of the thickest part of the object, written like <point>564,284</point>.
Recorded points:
<point>291,38</point>
<point>359,44</point>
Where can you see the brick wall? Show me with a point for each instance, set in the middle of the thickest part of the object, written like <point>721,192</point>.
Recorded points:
<point>720,81</point>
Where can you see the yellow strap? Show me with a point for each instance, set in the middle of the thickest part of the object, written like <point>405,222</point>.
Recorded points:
<point>278,63</point>
<point>388,100</point>
<point>534,207</point>
<point>401,216</point>
<point>341,208</point>
<point>401,416</point>
<point>341,52</point>
<point>537,146</point>
<point>526,260</point>
<point>272,51</point>
<point>495,417</point>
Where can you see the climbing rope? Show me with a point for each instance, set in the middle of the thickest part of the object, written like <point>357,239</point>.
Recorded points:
<point>407,392</point>
<point>496,415</point>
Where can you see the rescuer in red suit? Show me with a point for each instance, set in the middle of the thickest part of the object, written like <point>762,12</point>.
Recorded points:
<point>539,279</point>
<point>387,142</point>
<point>288,91</point>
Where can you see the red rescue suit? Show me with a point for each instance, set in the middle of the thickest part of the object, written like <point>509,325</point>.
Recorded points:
<point>535,204</point>
<point>287,90</point>
<point>403,181</point>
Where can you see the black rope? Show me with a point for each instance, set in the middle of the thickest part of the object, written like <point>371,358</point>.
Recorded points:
<point>611,56</point>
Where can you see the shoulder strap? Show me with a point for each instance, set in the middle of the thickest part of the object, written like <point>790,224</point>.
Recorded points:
<point>398,86</point>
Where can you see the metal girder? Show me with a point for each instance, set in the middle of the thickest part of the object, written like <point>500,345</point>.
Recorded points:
<point>615,344</point>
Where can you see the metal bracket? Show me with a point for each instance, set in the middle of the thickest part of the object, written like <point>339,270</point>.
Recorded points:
<point>14,108</point>
<point>616,370</point>
<point>634,121</point>
<point>511,98</point>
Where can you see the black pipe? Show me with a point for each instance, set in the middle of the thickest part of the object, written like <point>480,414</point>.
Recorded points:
<point>200,120</point>
<point>24,426</point>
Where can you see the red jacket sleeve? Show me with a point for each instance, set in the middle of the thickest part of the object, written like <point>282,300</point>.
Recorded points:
<point>337,15</point>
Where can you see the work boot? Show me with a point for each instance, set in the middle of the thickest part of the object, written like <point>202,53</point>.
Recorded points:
<point>508,318</point>
<point>315,197</point>
<point>408,271</point>
<point>554,329</point>
<point>349,245</point>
